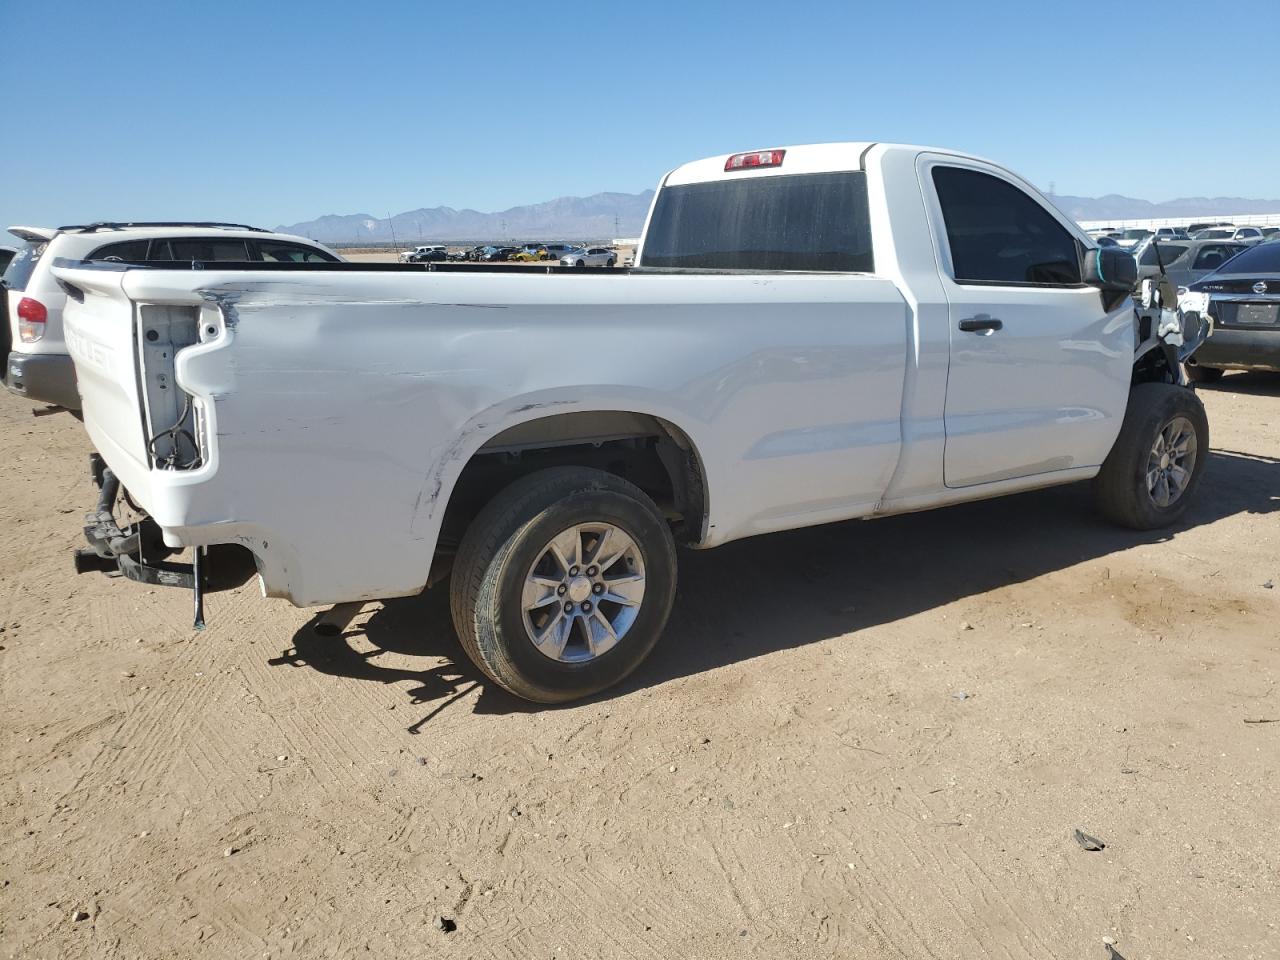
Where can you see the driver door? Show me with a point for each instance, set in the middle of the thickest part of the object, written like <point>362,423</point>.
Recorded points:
<point>1039,370</point>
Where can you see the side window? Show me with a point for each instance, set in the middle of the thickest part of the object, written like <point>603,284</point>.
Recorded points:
<point>127,250</point>
<point>160,251</point>
<point>1169,252</point>
<point>1211,257</point>
<point>998,234</point>
<point>208,248</point>
<point>275,251</point>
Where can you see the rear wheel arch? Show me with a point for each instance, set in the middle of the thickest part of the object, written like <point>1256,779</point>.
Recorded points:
<point>645,449</point>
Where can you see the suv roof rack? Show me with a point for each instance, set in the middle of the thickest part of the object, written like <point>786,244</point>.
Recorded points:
<point>117,225</point>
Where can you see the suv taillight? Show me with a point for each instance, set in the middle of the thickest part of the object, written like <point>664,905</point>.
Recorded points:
<point>32,316</point>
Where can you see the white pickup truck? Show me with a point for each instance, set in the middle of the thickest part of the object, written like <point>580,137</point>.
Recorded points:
<point>811,334</point>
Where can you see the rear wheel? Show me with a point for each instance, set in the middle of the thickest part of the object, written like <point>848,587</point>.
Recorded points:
<point>563,583</point>
<point>1151,474</point>
<point>580,264</point>
<point>612,262</point>
<point>1203,374</point>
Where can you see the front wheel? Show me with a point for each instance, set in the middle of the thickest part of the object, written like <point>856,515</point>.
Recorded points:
<point>1152,471</point>
<point>563,583</point>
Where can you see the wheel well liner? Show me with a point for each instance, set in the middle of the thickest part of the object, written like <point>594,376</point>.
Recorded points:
<point>653,453</point>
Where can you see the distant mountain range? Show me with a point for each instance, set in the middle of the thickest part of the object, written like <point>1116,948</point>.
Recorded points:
<point>601,216</point>
<point>1115,207</point>
<point>604,216</point>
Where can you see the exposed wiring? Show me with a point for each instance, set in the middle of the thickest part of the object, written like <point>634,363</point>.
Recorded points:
<point>170,460</point>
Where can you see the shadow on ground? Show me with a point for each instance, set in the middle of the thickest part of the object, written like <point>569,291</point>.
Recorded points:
<point>785,590</point>
<point>1252,383</point>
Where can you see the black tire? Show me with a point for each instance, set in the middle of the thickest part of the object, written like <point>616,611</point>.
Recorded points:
<point>580,264</point>
<point>506,539</point>
<point>1202,374</point>
<point>1121,488</point>
<point>612,262</point>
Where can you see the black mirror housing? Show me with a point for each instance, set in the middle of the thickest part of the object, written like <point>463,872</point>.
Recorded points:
<point>1110,269</point>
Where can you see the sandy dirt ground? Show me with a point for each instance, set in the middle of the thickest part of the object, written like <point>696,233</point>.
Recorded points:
<point>865,740</point>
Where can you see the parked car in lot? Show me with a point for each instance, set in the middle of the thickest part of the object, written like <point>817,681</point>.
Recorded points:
<point>1244,235</point>
<point>589,257</point>
<point>812,334</point>
<point>429,253</point>
<point>530,252</point>
<point>32,349</point>
<point>557,250</point>
<point>1132,237</point>
<point>1243,299</point>
<point>498,254</point>
<point>1185,261</point>
<point>1171,233</point>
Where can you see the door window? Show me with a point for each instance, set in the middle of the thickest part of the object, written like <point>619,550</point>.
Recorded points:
<point>208,248</point>
<point>126,250</point>
<point>998,234</point>
<point>275,251</point>
<point>1211,257</point>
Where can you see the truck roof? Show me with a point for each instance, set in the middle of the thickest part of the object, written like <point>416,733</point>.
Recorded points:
<point>799,158</point>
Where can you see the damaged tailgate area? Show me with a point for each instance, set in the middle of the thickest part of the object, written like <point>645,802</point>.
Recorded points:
<point>136,549</point>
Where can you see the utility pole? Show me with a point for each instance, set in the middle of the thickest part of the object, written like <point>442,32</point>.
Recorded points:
<point>395,246</point>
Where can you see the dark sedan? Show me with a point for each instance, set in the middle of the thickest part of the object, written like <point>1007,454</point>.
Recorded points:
<point>1243,298</point>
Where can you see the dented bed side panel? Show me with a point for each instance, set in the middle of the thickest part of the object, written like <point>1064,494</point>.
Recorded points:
<point>341,410</point>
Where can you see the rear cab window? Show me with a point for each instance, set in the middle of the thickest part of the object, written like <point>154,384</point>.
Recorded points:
<point>805,222</point>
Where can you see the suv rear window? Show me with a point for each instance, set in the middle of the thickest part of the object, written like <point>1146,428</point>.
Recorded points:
<point>811,221</point>
<point>23,264</point>
<point>1169,252</point>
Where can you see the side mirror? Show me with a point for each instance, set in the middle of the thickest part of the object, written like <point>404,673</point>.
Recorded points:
<point>1110,268</point>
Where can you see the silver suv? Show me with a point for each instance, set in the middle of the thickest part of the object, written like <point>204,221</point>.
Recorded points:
<point>33,355</point>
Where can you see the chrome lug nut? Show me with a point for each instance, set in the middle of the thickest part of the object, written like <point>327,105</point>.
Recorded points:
<point>586,606</point>
<point>598,588</point>
<point>591,571</point>
<point>561,590</point>
<point>568,608</point>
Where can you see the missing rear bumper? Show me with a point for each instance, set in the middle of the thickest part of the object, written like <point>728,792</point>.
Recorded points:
<point>138,552</point>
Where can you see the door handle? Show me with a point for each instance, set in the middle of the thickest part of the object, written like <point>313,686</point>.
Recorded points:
<point>981,324</point>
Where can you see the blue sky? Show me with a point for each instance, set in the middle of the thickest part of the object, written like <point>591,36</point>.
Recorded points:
<point>275,113</point>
